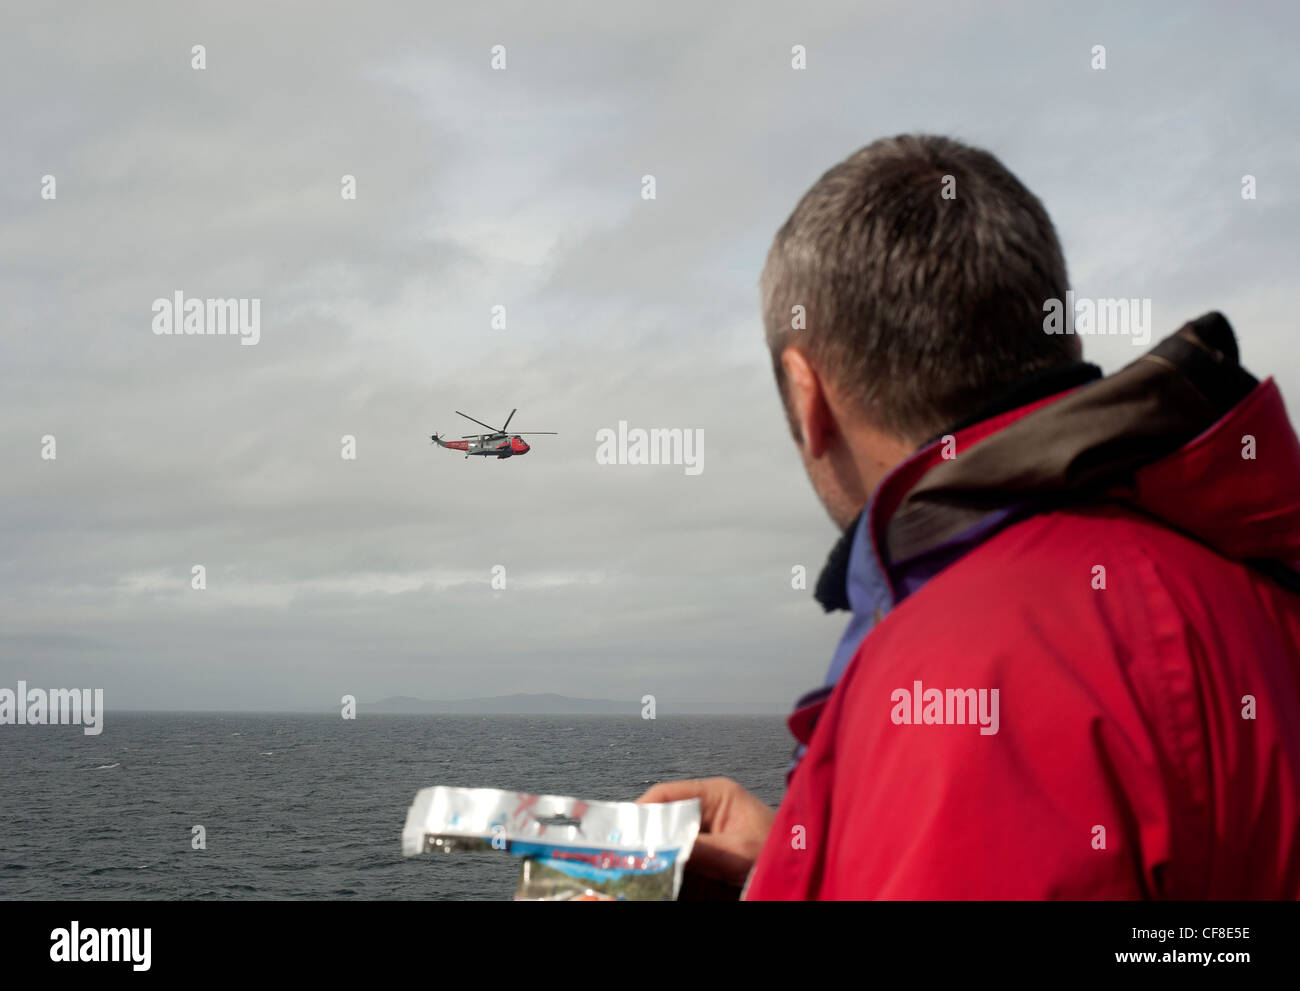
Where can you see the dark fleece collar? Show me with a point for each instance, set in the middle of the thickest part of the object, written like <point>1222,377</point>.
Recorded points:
<point>832,583</point>
<point>1090,441</point>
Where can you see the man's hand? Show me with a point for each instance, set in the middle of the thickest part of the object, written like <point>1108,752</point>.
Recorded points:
<point>733,826</point>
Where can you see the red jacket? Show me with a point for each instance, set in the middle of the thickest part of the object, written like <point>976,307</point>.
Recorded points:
<point>1147,739</point>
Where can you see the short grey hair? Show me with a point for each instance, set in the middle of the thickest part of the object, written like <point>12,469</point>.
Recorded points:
<point>917,304</point>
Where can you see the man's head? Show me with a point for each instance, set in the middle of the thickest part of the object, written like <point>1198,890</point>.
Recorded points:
<point>906,288</point>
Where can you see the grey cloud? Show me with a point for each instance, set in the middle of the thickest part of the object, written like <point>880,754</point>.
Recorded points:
<point>522,188</point>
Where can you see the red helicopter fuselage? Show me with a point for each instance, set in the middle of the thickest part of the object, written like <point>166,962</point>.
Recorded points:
<point>508,448</point>
<point>497,443</point>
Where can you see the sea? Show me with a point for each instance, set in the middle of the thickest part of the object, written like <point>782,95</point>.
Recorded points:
<point>312,806</point>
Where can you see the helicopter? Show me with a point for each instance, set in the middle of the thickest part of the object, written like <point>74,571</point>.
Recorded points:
<point>496,444</point>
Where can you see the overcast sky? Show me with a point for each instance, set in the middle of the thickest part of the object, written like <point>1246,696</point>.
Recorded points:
<point>522,188</point>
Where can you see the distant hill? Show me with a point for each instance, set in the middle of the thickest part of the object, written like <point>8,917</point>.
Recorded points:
<point>550,704</point>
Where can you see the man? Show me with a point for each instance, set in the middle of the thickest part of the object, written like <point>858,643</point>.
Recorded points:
<point>1072,667</point>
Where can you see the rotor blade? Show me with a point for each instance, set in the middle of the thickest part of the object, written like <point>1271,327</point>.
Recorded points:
<point>506,426</point>
<point>520,433</point>
<point>479,422</point>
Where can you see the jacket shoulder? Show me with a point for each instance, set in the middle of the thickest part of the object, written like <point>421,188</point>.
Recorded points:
<point>1024,701</point>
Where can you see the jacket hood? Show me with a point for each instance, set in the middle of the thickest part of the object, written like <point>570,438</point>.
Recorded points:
<point>1183,434</point>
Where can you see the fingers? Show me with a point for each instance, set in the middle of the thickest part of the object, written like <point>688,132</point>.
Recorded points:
<point>675,791</point>
<point>726,855</point>
<point>712,793</point>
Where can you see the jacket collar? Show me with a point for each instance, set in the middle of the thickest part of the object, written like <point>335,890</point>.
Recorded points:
<point>1163,435</point>
<point>832,584</point>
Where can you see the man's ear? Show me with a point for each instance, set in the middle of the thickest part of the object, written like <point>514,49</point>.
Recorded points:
<point>807,401</point>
